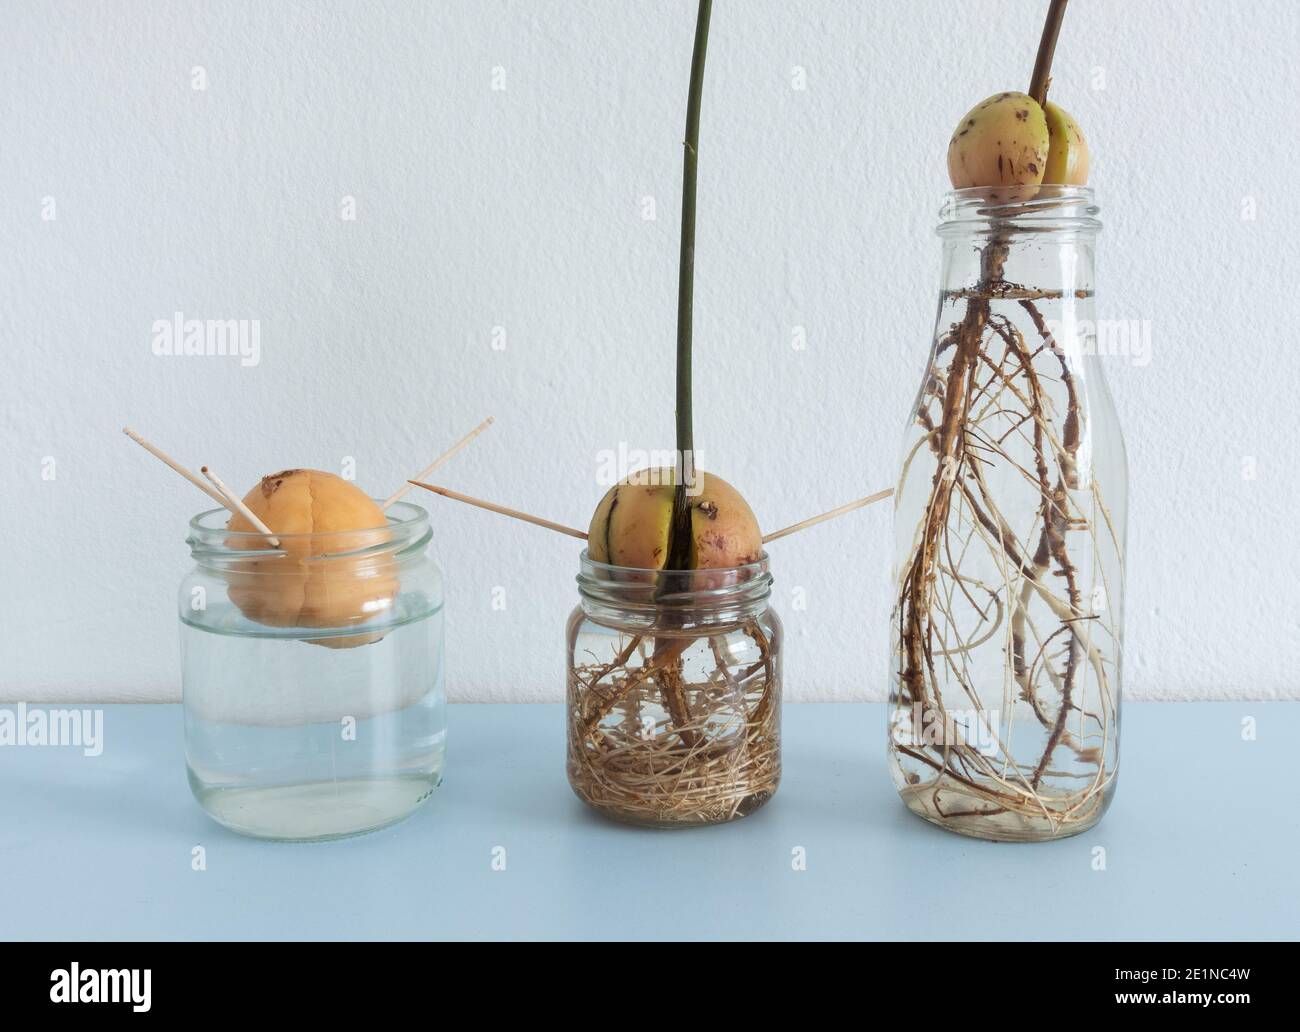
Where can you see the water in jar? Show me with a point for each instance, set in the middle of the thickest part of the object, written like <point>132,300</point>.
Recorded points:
<point>289,738</point>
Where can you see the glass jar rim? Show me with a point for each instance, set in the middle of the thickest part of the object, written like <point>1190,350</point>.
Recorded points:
<point>637,589</point>
<point>407,526</point>
<point>1047,207</point>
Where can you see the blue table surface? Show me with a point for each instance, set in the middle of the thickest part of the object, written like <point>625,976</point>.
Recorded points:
<point>1200,843</point>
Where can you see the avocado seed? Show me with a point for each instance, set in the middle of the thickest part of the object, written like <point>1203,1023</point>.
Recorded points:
<point>1001,142</point>
<point>298,588</point>
<point>632,524</point>
<point>1067,155</point>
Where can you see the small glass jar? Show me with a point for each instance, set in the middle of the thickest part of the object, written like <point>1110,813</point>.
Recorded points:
<point>312,676</point>
<point>674,693</point>
<point>1009,519</point>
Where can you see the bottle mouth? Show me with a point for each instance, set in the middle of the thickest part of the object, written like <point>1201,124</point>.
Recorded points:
<point>1021,208</point>
<point>407,531</point>
<point>720,590</point>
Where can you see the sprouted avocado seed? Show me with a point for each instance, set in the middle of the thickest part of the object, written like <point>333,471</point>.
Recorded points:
<point>1067,155</point>
<point>1009,141</point>
<point>632,525</point>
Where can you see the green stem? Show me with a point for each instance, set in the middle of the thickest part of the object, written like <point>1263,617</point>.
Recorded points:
<point>680,537</point>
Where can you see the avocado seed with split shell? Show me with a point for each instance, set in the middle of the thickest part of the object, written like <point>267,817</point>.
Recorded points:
<point>632,525</point>
<point>1067,155</point>
<point>312,582</point>
<point>1001,142</point>
<point>1008,145</point>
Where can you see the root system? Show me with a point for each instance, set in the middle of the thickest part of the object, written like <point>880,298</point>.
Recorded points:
<point>677,729</point>
<point>1002,418</point>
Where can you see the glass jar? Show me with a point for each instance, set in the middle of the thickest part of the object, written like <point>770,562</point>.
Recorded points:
<point>674,693</point>
<point>312,676</point>
<point>1009,533</point>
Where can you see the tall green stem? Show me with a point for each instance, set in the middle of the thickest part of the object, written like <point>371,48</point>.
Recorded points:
<point>679,551</point>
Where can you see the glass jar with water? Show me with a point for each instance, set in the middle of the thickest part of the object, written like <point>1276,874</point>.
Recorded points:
<point>674,693</point>
<point>312,676</point>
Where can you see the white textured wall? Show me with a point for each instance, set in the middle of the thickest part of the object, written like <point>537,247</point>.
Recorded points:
<point>522,208</point>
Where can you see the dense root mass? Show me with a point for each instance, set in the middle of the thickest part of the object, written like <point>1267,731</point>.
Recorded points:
<point>677,729</point>
<point>1004,719</point>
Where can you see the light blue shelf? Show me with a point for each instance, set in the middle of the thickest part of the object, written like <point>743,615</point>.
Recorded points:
<point>1200,843</point>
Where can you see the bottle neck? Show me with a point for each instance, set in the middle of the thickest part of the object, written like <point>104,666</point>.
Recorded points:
<point>1037,245</point>
<point>1011,266</point>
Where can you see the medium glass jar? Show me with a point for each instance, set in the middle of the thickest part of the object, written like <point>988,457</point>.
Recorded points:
<point>312,676</point>
<point>674,693</point>
<point>1009,533</point>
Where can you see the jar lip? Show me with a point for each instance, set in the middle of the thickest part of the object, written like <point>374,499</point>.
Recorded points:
<point>1050,205</point>
<point>718,590</point>
<point>406,521</point>
<point>756,568</point>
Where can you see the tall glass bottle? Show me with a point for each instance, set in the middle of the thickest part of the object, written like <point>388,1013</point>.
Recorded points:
<point>1009,533</point>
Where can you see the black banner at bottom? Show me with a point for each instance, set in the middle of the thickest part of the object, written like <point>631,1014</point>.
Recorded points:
<point>335,980</point>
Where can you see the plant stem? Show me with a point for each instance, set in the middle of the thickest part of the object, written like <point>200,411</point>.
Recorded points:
<point>680,538</point>
<point>1042,76</point>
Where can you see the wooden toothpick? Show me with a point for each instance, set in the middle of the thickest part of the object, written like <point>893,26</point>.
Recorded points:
<point>397,495</point>
<point>456,496</point>
<point>166,459</point>
<point>842,510</point>
<point>538,521</point>
<point>234,503</point>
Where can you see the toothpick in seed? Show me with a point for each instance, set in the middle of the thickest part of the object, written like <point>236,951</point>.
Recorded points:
<point>236,504</point>
<point>812,521</point>
<point>444,457</point>
<point>456,496</point>
<point>166,459</point>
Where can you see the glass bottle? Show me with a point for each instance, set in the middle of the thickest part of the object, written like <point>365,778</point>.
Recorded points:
<point>1007,628</point>
<point>312,676</point>
<point>674,693</point>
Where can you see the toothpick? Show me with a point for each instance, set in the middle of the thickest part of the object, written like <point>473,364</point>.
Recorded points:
<point>397,495</point>
<point>161,455</point>
<point>861,503</point>
<point>235,503</point>
<point>456,496</point>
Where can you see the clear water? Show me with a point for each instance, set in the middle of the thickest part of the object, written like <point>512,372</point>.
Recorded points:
<point>289,739</point>
<point>982,744</point>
